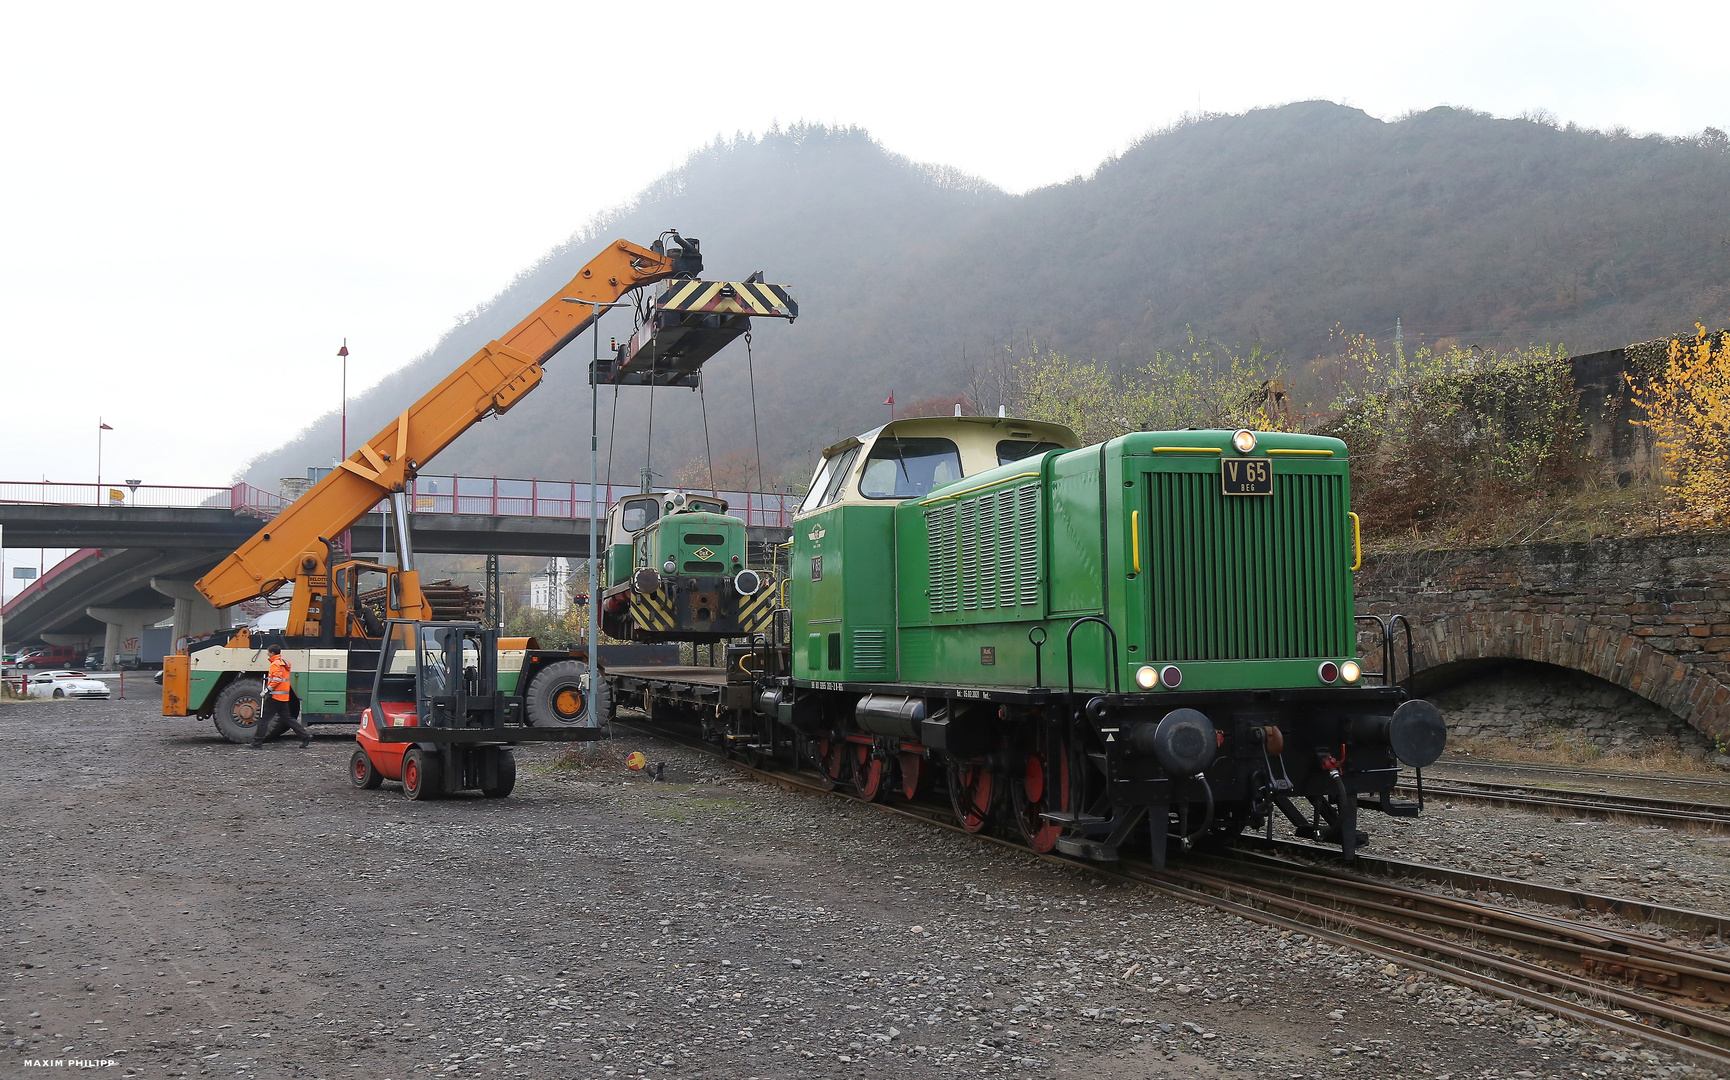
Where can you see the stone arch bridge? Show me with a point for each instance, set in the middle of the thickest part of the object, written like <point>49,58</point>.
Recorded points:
<point>1649,614</point>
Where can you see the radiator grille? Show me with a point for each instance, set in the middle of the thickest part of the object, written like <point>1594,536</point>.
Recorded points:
<point>984,553</point>
<point>1248,577</point>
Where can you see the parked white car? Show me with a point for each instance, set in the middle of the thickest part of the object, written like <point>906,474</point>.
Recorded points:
<point>64,684</point>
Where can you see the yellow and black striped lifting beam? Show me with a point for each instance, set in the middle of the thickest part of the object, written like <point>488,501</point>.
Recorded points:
<point>689,322</point>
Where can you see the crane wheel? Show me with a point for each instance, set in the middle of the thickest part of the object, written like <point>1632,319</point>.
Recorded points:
<point>238,709</point>
<point>421,775</point>
<point>557,697</point>
<point>362,772</point>
<point>505,774</point>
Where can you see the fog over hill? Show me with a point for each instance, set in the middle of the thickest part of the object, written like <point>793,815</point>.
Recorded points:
<point>1275,226</point>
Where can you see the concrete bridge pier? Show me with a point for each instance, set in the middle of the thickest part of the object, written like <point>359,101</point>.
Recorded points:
<point>125,630</point>
<point>193,615</point>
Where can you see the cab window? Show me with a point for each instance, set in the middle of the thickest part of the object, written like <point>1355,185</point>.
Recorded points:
<point>907,468</point>
<point>1015,449</point>
<point>638,513</point>
<point>827,487</point>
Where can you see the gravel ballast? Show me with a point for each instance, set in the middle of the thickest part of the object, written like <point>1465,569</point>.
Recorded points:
<point>183,907</point>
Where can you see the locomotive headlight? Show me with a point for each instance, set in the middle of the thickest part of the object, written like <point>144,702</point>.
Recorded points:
<point>747,582</point>
<point>1328,671</point>
<point>669,566</point>
<point>1147,676</point>
<point>1243,440</point>
<point>1350,671</point>
<point>1171,676</point>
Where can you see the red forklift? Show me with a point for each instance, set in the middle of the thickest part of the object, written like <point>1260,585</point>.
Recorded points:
<point>438,722</point>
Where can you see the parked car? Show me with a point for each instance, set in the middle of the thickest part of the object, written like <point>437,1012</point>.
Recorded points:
<point>65,683</point>
<point>48,656</point>
<point>122,662</point>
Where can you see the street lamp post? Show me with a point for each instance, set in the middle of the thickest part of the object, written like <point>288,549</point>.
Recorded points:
<point>100,428</point>
<point>597,689</point>
<point>343,352</point>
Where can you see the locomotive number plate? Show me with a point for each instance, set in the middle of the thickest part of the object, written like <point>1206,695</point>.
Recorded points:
<point>1246,476</point>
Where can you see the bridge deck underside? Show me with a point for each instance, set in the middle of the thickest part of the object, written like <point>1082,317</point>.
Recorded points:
<point>138,543</point>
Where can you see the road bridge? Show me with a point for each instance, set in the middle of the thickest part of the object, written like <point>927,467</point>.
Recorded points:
<point>140,548</point>
<point>1649,614</point>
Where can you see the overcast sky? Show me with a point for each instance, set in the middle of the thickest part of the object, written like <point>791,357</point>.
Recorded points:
<point>200,202</point>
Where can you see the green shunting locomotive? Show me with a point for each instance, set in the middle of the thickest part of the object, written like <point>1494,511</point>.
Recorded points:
<point>678,569</point>
<point>1150,641</point>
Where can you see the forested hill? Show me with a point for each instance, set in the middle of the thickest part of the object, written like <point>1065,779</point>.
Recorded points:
<point>1277,226</point>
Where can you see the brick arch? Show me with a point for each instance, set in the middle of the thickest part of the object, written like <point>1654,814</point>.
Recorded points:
<point>1597,649</point>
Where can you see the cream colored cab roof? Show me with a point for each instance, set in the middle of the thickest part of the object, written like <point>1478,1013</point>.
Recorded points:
<point>976,438</point>
<point>618,534</point>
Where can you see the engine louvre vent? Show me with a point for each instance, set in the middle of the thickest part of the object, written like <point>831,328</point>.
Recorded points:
<point>871,650</point>
<point>984,555</point>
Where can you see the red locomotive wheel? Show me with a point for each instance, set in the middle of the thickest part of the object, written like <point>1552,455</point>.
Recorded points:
<point>910,774</point>
<point>970,794</point>
<point>1043,787</point>
<point>867,773</point>
<point>831,756</point>
<point>1033,783</point>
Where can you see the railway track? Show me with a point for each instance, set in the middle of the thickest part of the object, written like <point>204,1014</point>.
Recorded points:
<point>1704,923</point>
<point>1634,984</point>
<point>1673,813</point>
<point>1564,770</point>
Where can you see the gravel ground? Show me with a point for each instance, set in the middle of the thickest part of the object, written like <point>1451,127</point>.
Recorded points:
<point>183,907</point>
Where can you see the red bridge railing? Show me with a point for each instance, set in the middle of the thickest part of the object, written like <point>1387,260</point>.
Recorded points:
<point>491,495</point>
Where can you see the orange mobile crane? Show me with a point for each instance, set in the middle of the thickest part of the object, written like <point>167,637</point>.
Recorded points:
<point>220,677</point>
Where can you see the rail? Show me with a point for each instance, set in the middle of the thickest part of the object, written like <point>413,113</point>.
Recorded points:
<point>428,494</point>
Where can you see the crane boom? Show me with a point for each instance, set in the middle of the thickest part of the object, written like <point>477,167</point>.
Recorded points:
<point>489,383</point>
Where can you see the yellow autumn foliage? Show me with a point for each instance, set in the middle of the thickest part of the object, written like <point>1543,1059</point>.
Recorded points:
<point>1687,407</point>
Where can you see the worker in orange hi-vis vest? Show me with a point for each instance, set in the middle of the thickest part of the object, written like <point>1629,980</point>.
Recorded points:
<point>277,692</point>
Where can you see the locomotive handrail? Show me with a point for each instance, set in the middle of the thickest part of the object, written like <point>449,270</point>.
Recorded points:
<point>1407,623</point>
<point>1387,651</point>
<point>1069,648</point>
<point>1038,644</point>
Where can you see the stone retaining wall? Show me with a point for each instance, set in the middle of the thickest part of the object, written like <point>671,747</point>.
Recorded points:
<point>1651,615</point>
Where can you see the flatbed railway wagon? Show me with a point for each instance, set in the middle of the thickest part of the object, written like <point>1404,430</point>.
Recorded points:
<point>1146,641</point>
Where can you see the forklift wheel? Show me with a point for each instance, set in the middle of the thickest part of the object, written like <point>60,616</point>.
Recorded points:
<point>506,763</point>
<point>420,775</point>
<point>360,770</point>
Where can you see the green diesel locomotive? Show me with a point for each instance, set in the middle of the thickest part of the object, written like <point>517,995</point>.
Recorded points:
<point>678,569</point>
<point>1146,641</point>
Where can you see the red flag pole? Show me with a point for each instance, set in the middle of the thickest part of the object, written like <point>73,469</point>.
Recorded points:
<point>343,352</point>
<point>890,401</point>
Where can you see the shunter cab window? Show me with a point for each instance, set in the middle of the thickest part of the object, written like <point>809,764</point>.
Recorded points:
<point>638,513</point>
<point>827,486</point>
<point>907,468</point>
<point>1015,449</point>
